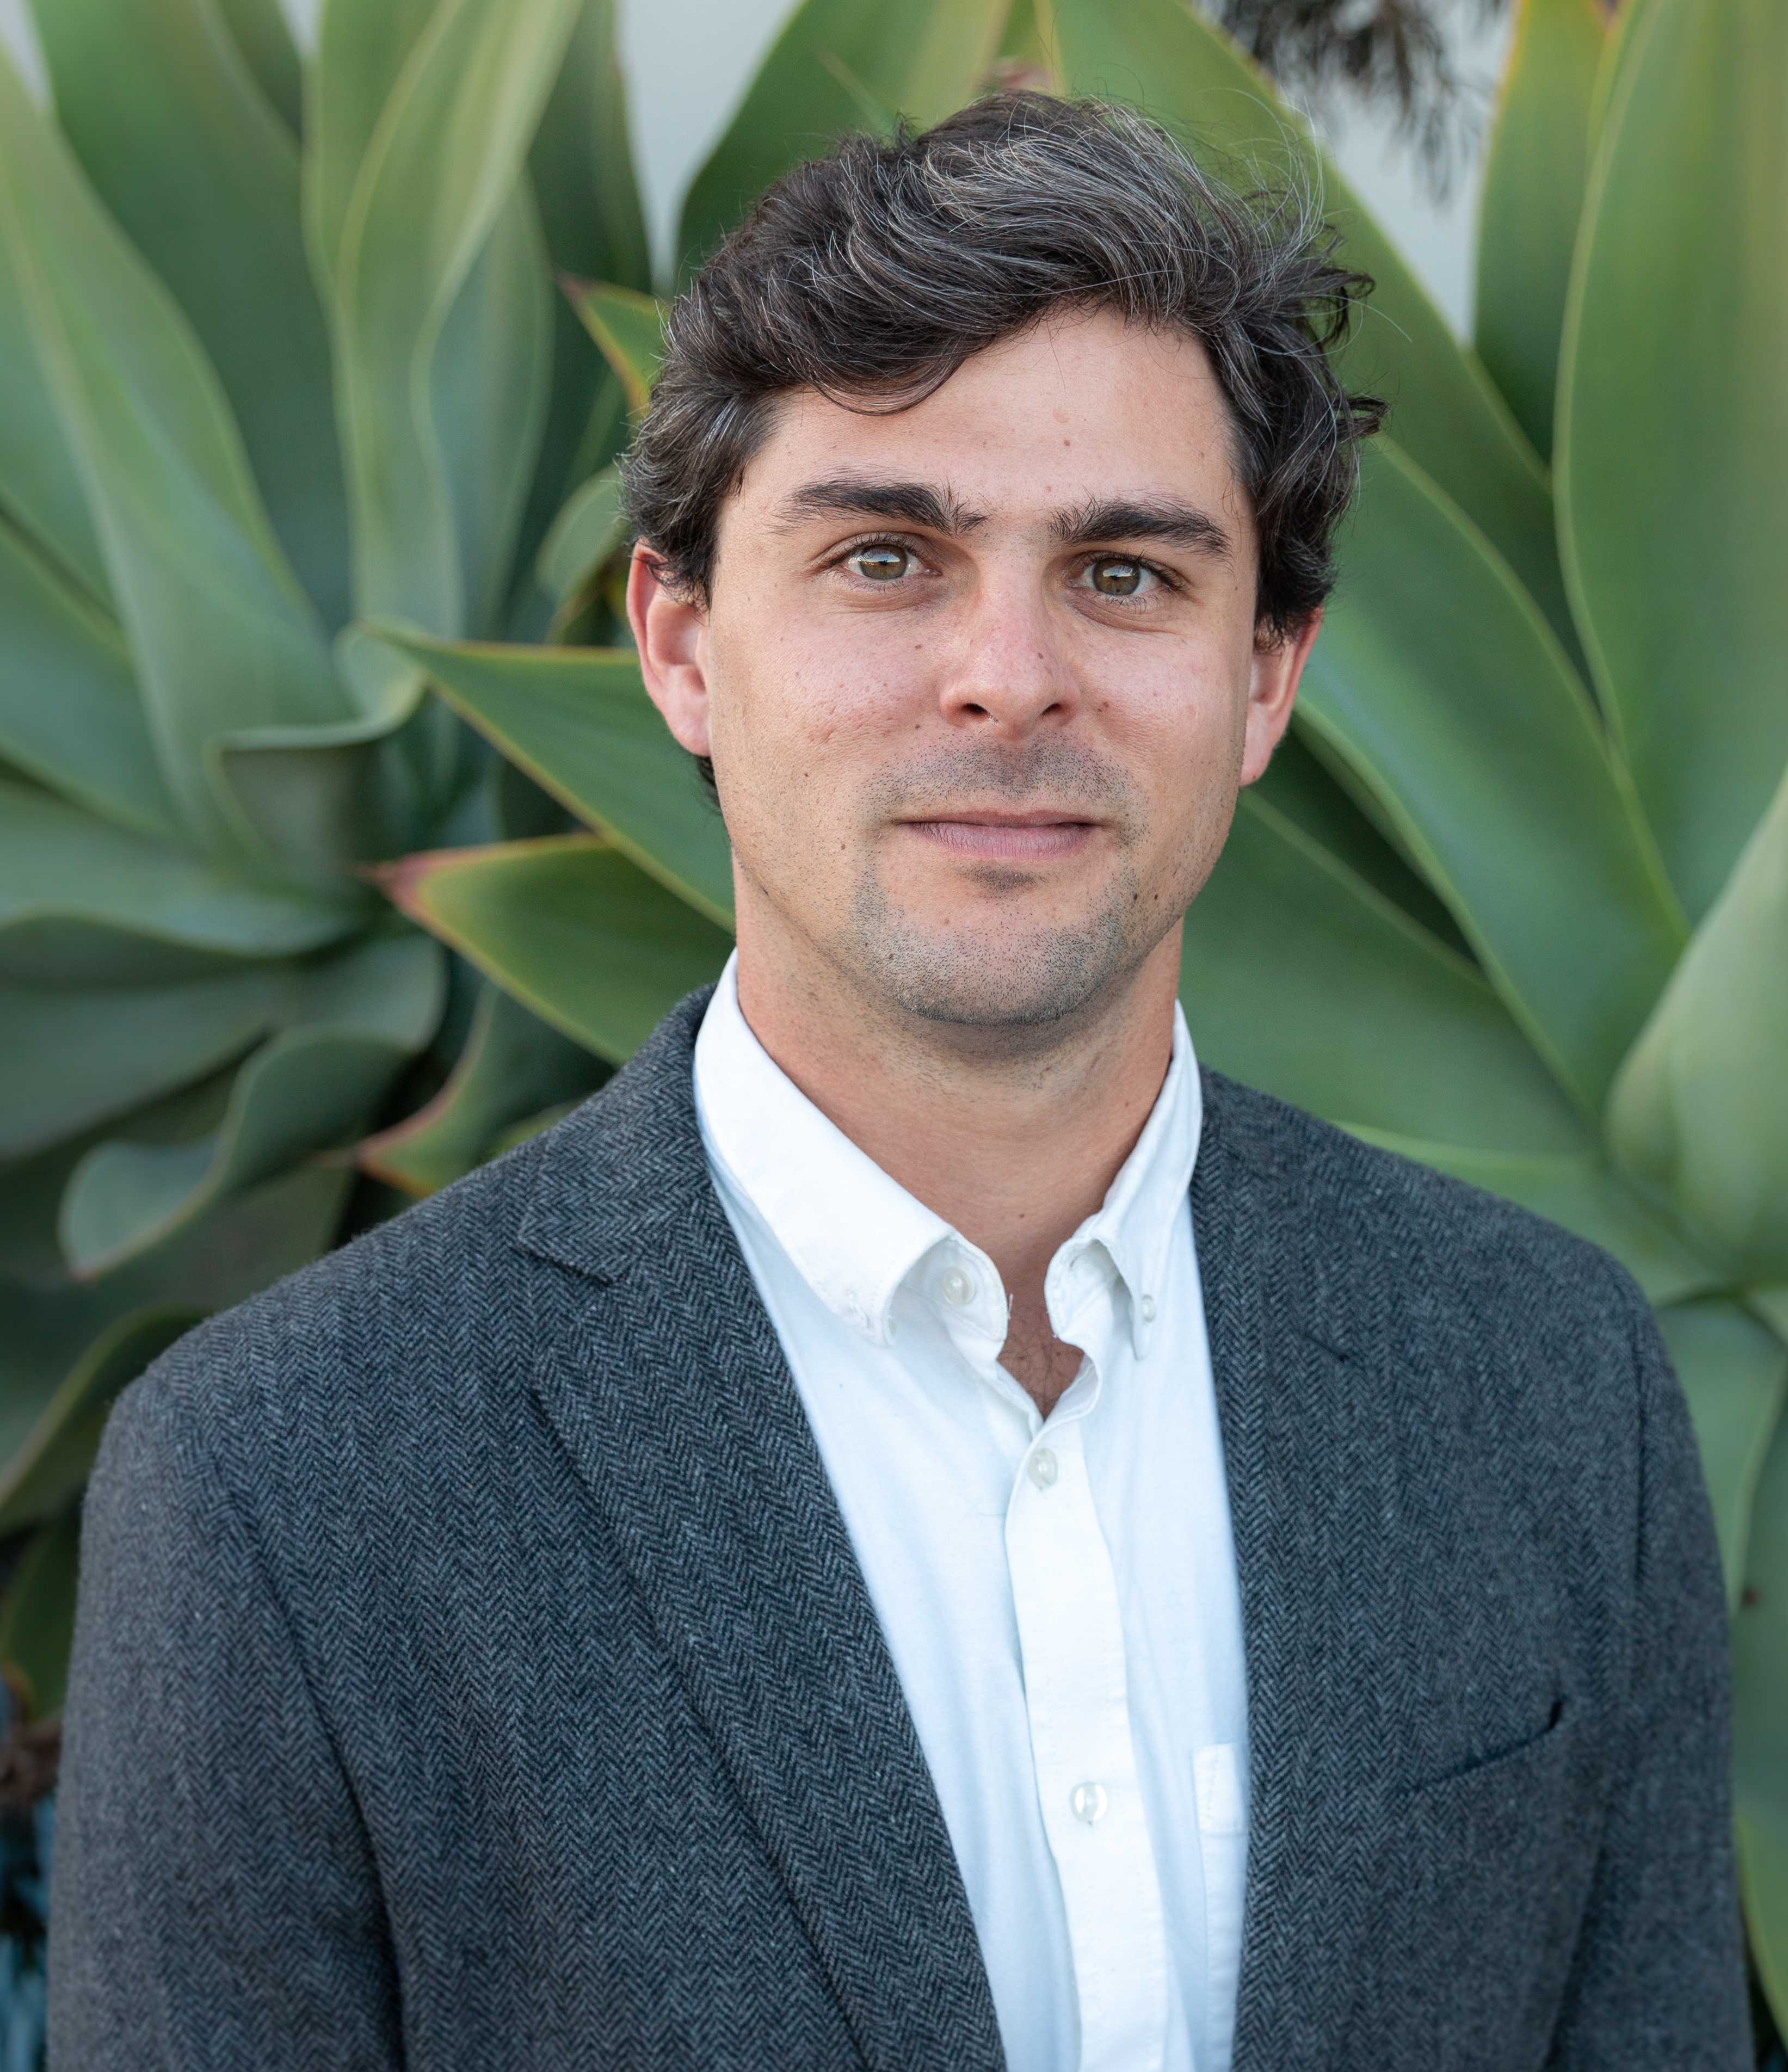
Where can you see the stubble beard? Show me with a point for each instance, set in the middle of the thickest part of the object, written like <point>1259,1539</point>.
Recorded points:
<point>1022,986</point>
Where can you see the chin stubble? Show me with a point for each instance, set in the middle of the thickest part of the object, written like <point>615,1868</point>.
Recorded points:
<point>1029,977</point>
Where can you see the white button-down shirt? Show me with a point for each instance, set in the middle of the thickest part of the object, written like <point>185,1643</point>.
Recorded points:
<point>1059,1598</point>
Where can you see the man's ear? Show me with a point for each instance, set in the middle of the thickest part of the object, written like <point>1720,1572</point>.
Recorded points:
<point>1273,677</point>
<point>672,635</point>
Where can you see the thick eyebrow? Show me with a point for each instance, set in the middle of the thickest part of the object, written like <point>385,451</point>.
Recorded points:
<point>1175,524</point>
<point>919,503</point>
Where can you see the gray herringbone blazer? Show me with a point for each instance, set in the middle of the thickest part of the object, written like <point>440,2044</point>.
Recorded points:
<point>473,1669</point>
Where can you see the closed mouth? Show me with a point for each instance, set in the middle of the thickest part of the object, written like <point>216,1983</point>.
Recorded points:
<point>1030,838</point>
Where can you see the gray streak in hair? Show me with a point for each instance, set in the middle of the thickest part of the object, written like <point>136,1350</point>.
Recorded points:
<point>872,274</point>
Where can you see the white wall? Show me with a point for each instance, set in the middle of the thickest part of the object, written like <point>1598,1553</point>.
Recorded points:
<point>688,61</point>
<point>1437,237</point>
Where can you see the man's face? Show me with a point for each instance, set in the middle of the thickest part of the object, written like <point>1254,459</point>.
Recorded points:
<point>980,677</point>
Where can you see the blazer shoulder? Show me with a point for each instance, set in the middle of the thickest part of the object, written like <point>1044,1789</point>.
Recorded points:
<point>1438,1229</point>
<point>384,1317</point>
<point>428,1320</point>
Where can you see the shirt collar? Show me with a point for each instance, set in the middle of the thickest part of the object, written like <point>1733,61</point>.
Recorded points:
<point>1134,1226</point>
<point>855,1234</point>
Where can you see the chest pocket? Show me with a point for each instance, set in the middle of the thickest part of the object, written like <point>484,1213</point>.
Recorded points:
<point>1219,1777</point>
<point>1477,1904</point>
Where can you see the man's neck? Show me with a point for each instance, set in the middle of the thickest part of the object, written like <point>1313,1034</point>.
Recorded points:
<point>1014,1146</point>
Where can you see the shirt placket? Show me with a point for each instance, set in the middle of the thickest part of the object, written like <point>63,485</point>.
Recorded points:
<point>1070,1637</point>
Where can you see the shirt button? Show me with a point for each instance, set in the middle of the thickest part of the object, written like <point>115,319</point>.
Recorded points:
<point>1040,1468</point>
<point>1148,1309</point>
<point>959,1288</point>
<point>1087,1802</point>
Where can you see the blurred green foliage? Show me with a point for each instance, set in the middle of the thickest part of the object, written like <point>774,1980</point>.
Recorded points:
<point>310,709</point>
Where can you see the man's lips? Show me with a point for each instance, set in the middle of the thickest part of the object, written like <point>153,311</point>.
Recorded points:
<point>1034,837</point>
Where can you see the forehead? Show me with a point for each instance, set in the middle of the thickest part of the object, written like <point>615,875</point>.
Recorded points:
<point>1080,406</point>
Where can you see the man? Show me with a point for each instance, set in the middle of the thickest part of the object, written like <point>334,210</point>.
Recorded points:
<point>911,1531</point>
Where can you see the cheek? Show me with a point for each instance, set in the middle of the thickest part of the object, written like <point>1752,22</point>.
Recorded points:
<point>804,713</point>
<point>789,744</point>
<point>1184,728</point>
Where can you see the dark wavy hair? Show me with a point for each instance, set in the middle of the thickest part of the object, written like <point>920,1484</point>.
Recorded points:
<point>872,274</point>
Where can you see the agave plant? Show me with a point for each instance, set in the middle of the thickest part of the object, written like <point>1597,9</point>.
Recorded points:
<point>291,421</point>
<point>278,345</point>
<point>1514,898</point>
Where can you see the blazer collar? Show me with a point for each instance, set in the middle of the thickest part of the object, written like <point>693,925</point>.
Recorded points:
<point>670,1393</point>
<point>611,1179</point>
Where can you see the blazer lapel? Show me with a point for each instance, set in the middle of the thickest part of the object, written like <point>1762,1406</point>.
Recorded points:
<point>669,1391</point>
<point>1311,1478</point>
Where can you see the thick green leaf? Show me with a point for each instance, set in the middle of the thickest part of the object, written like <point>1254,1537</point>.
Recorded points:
<point>268,51</point>
<point>921,61</point>
<point>489,390</point>
<point>1028,55</point>
<point>592,525</point>
<point>181,145</point>
<point>1673,435</point>
<point>40,487</point>
<point>1300,979</point>
<point>1735,1374</point>
<point>1441,685</point>
<point>610,429</point>
<point>37,1616</point>
<point>1534,183</point>
<point>1700,1110</point>
<point>351,1027</point>
<point>243,1244</point>
<point>31,1198</point>
<point>582,170</point>
<point>513,1065</point>
<point>1760,1697</point>
<point>49,1469</point>
<point>519,810</point>
<point>438,183</point>
<point>71,1057</point>
<point>326,800</point>
<point>222,635</point>
<point>444,759</point>
<point>1580,1192</point>
<point>323,799</point>
<point>70,712</point>
<point>578,720</point>
<point>1446,412</point>
<point>577,933</point>
<point>582,161</point>
<point>1299,784</point>
<point>29,1192</point>
<point>363,47</point>
<point>1625,19</point>
<point>83,902</point>
<point>309,1091</point>
<point>629,327</point>
<point>324,804</point>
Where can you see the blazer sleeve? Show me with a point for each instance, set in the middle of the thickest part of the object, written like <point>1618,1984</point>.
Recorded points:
<point>1658,1978</point>
<point>214,1903</point>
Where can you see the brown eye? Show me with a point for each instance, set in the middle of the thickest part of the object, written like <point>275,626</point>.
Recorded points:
<point>882,564</point>
<point>1111,577</point>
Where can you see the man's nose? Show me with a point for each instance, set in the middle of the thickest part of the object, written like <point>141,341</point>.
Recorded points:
<point>1010,671</point>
